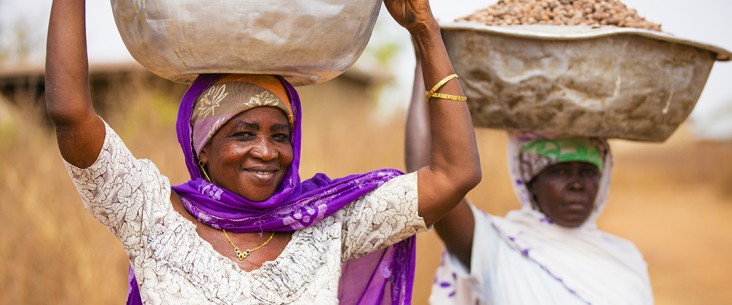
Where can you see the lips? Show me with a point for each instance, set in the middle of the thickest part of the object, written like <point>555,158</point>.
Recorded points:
<point>576,207</point>
<point>264,175</point>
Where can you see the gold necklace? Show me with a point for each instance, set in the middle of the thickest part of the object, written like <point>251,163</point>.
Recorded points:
<point>242,255</point>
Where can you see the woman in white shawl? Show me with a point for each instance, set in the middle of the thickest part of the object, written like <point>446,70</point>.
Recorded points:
<point>548,252</point>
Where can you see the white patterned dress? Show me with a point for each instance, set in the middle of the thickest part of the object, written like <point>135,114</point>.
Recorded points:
<point>173,265</point>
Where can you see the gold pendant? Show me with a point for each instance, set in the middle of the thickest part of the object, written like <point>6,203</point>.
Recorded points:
<point>242,255</point>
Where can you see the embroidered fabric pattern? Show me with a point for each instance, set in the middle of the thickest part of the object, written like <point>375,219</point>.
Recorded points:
<point>153,235</point>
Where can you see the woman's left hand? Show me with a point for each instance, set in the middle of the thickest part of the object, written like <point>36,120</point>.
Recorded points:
<point>410,14</point>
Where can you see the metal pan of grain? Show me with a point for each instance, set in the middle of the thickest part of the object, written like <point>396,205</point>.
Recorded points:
<point>308,42</point>
<point>601,81</point>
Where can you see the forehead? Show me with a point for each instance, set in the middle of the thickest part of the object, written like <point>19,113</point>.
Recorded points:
<point>545,175</point>
<point>570,164</point>
<point>260,116</point>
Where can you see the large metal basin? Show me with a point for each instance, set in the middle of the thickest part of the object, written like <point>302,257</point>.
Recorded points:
<point>609,82</point>
<point>307,41</point>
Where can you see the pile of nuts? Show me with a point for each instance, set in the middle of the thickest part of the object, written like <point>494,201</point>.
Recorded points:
<point>561,12</point>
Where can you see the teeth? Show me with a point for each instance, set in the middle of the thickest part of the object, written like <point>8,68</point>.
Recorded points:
<point>261,172</point>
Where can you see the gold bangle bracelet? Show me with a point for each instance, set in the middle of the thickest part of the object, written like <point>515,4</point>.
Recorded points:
<point>439,84</point>
<point>459,98</point>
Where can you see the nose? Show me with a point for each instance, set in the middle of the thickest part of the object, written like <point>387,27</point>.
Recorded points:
<point>264,150</point>
<point>576,183</point>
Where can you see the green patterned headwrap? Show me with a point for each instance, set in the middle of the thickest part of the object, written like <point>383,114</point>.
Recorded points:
<point>538,154</point>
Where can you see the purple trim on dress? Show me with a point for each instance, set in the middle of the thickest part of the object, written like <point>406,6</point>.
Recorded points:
<point>133,290</point>
<point>546,219</point>
<point>525,251</point>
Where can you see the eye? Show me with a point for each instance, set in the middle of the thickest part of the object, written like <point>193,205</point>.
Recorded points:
<point>281,137</point>
<point>590,171</point>
<point>558,171</point>
<point>245,135</point>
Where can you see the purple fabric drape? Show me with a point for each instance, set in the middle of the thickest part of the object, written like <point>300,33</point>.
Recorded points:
<point>383,277</point>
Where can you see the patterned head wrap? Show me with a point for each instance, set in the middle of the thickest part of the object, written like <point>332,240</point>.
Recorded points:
<point>537,154</point>
<point>230,96</point>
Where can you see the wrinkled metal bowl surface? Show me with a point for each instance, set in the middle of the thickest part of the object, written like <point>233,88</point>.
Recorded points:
<point>608,82</point>
<point>308,42</point>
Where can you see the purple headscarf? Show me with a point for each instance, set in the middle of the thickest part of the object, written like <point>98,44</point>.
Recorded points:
<point>383,277</point>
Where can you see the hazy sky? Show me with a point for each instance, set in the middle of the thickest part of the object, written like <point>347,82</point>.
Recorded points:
<point>707,21</point>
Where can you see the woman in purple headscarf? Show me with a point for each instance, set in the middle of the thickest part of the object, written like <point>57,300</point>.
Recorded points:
<point>245,229</point>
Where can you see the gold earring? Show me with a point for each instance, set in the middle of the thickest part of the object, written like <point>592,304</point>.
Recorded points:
<point>203,170</point>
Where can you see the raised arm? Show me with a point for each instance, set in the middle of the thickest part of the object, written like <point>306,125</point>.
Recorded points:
<point>454,167</point>
<point>79,130</point>
<point>457,227</point>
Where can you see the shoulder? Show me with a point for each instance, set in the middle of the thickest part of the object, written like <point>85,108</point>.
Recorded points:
<point>622,245</point>
<point>399,193</point>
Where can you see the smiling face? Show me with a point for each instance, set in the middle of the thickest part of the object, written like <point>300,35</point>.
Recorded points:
<point>566,192</point>
<point>251,153</point>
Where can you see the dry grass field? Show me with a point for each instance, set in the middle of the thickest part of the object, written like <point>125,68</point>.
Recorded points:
<point>674,200</point>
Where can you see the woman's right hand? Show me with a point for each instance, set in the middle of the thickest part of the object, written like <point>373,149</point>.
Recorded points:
<point>410,14</point>
<point>79,129</point>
